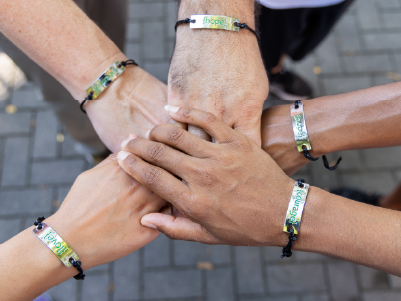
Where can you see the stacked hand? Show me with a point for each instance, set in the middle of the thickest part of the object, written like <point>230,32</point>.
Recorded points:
<point>231,191</point>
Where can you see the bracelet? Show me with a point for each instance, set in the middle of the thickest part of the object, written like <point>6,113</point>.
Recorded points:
<point>104,81</point>
<point>301,134</point>
<point>58,246</point>
<point>215,22</point>
<point>294,214</point>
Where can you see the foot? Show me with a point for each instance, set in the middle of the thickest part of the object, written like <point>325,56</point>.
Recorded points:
<point>289,86</point>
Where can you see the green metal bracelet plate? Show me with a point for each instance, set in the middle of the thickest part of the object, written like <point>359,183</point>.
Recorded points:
<point>214,22</point>
<point>299,128</point>
<point>108,76</point>
<point>296,208</point>
<point>56,244</point>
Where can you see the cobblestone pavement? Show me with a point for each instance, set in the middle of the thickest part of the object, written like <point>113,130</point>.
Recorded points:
<point>38,165</point>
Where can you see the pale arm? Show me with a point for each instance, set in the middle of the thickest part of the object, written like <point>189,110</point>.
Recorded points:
<point>59,37</point>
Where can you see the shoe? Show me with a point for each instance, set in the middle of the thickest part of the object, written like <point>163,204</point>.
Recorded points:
<point>357,195</point>
<point>289,86</point>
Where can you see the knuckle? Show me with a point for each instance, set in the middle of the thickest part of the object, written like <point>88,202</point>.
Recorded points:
<point>208,118</point>
<point>156,151</point>
<point>186,112</point>
<point>175,135</point>
<point>152,176</point>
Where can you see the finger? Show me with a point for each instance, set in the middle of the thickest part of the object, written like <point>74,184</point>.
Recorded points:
<point>216,128</point>
<point>199,132</point>
<point>180,228</point>
<point>160,154</point>
<point>155,178</point>
<point>182,140</point>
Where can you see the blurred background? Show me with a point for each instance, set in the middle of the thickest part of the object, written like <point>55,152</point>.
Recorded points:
<point>38,164</point>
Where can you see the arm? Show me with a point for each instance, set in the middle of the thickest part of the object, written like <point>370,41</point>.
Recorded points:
<point>234,193</point>
<point>220,71</point>
<point>358,120</point>
<point>99,220</point>
<point>66,43</point>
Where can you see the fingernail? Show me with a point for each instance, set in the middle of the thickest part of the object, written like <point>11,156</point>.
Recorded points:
<point>132,136</point>
<point>125,142</point>
<point>122,155</point>
<point>172,109</point>
<point>147,135</point>
<point>149,225</point>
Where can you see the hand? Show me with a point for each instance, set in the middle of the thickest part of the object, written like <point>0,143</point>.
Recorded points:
<point>132,104</point>
<point>219,71</point>
<point>100,217</point>
<point>232,191</point>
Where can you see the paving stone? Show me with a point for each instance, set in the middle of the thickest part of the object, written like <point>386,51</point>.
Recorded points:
<point>219,285</point>
<point>368,63</point>
<point>375,41</point>
<point>367,14</point>
<point>189,253</point>
<point>132,50</point>
<point>382,296</point>
<point>145,10</point>
<point>373,182</point>
<point>9,228</point>
<point>315,297</point>
<point>351,160</point>
<point>68,147</point>
<point>328,56</point>
<point>304,256</point>
<point>173,284</point>
<point>286,298</point>
<point>303,278</point>
<point>134,31</point>
<point>45,135</point>
<point>274,254</point>
<point>95,287</point>
<point>333,86</point>
<point>383,157</point>
<point>343,284</point>
<point>249,270</point>
<point>158,70</point>
<point>66,291</point>
<point>391,20</point>
<point>126,277</point>
<point>379,80</point>
<point>388,4</point>
<point>56,172</point>
<point>347,33</point>
<point>157,253</point>
<point>322,177</point>
<point>28,96</point>
<point>172,10</point>
<point>395,282</point>
<point>28,201</point>
<point>153,47</point>
<point>15,162</point>
<point>18,123</point>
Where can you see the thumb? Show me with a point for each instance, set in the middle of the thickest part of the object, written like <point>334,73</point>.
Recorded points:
<point>181,228</point>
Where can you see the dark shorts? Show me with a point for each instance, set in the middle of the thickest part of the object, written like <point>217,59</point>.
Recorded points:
<point>295,32</point>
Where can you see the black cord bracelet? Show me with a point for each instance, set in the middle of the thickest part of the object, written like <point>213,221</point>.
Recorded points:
<point>237,24</point>
<point>287,252</point>
<point>310,157</point>
<point>75,263</point>
<point>107,83</point>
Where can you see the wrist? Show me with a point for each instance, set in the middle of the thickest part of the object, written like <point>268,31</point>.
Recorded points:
<point>243,10</point>
<point>99,65</point>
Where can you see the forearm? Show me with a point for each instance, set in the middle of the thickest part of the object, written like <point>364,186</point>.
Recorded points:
<point>31,268</point>
<point>346,229</point>
<point>61,39</point>
<point>368,118</point>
